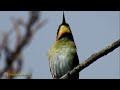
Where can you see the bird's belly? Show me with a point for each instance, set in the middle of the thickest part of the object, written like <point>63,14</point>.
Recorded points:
<point>62,64</point>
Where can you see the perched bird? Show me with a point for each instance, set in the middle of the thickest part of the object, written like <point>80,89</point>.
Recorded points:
<point>63,54</point>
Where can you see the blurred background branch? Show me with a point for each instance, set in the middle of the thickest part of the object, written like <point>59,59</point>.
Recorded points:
<point>15,56</point>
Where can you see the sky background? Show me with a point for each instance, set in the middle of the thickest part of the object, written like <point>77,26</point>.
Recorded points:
<point>92,31</point>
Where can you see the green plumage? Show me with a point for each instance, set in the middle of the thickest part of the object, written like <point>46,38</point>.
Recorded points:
<point>63,57</point>
<point>63,54</point>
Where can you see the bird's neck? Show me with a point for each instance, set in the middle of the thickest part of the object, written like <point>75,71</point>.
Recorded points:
<point>66,37</point>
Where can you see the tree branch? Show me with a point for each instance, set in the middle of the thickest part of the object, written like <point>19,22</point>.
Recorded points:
<point>92,59</point>
<point>33,18</point>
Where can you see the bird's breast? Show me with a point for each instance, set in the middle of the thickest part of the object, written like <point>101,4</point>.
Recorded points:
<point>62,60</point>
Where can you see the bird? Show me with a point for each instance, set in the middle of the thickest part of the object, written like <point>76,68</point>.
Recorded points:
<point>62,56</point>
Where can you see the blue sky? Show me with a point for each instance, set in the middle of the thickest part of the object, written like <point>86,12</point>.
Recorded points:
<point>92,31</point>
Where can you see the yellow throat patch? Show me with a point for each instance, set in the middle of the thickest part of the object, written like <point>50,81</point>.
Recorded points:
<point>63,29</point>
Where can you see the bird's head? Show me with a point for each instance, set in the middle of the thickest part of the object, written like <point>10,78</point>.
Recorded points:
<point>64,30</point>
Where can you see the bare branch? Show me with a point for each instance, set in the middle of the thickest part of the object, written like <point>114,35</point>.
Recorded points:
<point>19,64</point>
<point>92,59</point>
<point>16,25</point>
<point>34,16</point>
<point>38,25</point>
